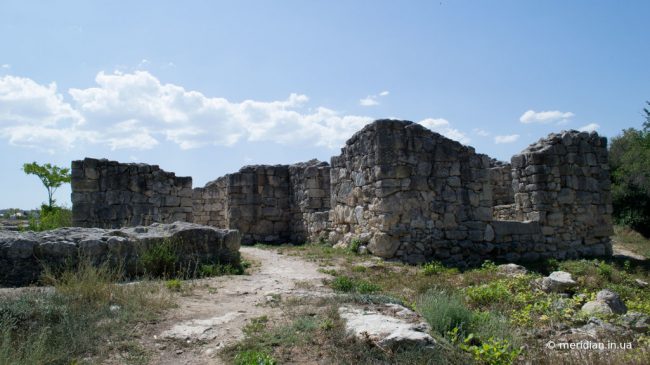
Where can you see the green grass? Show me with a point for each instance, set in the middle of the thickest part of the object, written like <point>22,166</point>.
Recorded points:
<point>497,311</point>
<point>346,284</point>
<point>88,316</point>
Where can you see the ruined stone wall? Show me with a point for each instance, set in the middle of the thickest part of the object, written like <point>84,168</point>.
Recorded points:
<point>258,203</point>
<point>110,194</point>
<point>310,200</point>
<point>563,182</point>
<point>411,194</point>
<point>501,180</point>
<point>210,203</point>
<point>270,204</point>
<point>398,188</point>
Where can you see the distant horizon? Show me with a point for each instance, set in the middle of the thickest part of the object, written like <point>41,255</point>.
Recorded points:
<point>204,88</point>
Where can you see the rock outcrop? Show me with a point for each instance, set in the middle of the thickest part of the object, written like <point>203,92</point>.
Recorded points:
<point>23,255</point>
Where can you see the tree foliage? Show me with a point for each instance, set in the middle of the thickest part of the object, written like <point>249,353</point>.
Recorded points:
<point>629,155</point>
<point>51,176</point>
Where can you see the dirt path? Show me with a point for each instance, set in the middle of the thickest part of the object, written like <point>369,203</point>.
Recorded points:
<point>217,309</point>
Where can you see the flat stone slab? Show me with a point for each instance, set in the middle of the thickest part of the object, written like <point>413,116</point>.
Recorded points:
<point>198,329</point>
<point>388,327</point>
<point>23,255</point>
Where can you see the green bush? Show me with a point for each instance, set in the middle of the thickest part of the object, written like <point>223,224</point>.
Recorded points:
<point>486,294</point>
<point>490,352</point>
<point>354,245</point>
<point>161,260</point>
<point>347,284</point>
<point>173,284</point>
<point>444,311</point>
<point>51,218</point>
<point>342,284</point>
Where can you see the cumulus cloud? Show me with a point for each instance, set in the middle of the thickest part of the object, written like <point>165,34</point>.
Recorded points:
<point>591,127</point>
<point>5,66</point>
<point>371,100</point>
<point>506,139</point>
<point>137,111</point>
<point>550,116</point>
<point>443,127</point>
<point>36,115</point>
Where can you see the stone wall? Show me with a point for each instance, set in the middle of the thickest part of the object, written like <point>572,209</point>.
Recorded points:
<point>397,188</point>
<point>411,193</point>
<point>268,204</point>
<point>23,255</point>
<point>501,180</point>
<point>110,194</point>
<point>210,203</point>
<point>563,182</point>
<point>309,200</point>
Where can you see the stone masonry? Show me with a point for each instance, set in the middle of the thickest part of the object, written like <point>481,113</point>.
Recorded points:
<point>398,188</point>
<point>109,194</point>
<point>269,204</point>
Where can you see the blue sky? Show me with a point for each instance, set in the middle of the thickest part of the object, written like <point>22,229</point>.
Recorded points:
<point>202,88</point>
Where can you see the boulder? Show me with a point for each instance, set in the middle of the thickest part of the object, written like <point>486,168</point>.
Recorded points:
<point>606,302</point>
<point>557,282</point>
<point>511,270</point>
<point>383,245</point>
<point>388,327</point>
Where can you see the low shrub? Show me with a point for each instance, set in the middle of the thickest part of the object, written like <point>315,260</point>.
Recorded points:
<point>51,218</point>
<point>444,311</point>
<point>173,284</point>
<point>347,284</point>
<point>161,260</point>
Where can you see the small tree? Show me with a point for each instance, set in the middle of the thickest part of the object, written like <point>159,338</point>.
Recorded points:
<point>51,176</point>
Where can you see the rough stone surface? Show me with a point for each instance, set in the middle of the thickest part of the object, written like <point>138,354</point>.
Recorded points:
<point>270,204</point>
<point>23,254</point>
<point>511,270</point>
<point>387,327</point>
<point>558,282</point>
<point>606,302</point>
<point>109,194</point>
<point>402,190</point>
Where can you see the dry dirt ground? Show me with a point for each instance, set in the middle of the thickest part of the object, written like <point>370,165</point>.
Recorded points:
<point>214,311</point>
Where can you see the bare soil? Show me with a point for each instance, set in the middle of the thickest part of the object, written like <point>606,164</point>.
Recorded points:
<point>214,312</point>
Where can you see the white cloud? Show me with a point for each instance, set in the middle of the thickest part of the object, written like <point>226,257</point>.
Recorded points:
<point>5,66</point>
<point>443,127</point>
<point>506,139</point>
<point>550,116</point>
<point>35,115</point>
<point>371,100</point>
<point>481,132</point>
<point>137,111</point>
<point>591,127</point>
<point>143,63</point>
